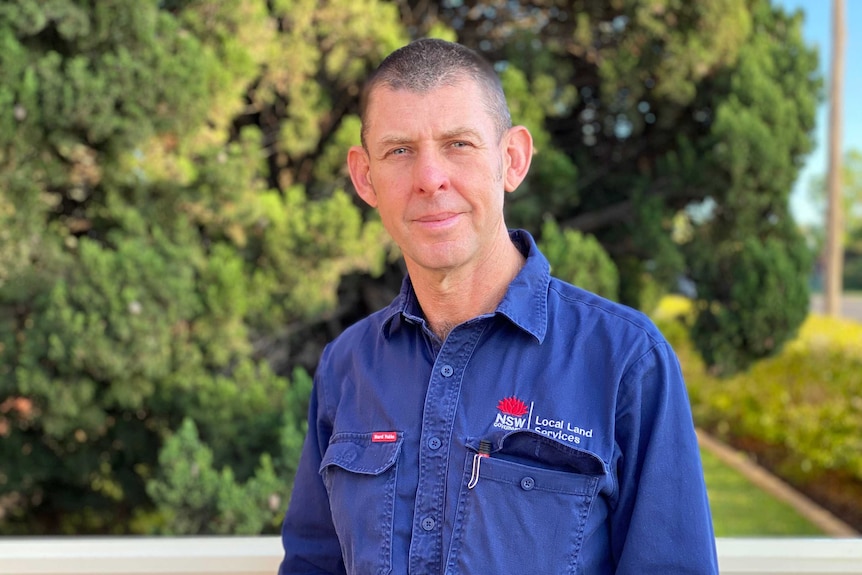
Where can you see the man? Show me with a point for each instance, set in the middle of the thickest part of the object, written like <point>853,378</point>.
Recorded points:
<point>492,419</point>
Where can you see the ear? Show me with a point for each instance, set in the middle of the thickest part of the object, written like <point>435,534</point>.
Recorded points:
<point>518,153</point>
<point>359,167</point>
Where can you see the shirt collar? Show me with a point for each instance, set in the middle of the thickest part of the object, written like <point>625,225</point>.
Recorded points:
<point>525,303</point>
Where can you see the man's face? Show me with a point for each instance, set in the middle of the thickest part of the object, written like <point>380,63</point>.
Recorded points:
<point>436,170</point>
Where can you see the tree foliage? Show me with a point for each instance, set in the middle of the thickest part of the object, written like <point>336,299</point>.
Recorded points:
<point>681,127</point>
<point>164,256</point>
<point>580,260</point>
<point>178,239</point>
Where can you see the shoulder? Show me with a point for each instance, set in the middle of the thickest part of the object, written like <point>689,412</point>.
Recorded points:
<point>589,311</point>
<point>363,335</point>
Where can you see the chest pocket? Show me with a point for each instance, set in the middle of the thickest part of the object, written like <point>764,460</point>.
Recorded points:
<point>528,509</point>
<point>359,475</point>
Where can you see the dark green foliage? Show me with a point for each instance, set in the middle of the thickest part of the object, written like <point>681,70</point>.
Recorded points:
<point>747,257</point>
<point>178,239</point>
<point>689,121</point>
<point>165,282</point>
<point>753,296</point>
<point>193,496</point>
<point>580,260</point>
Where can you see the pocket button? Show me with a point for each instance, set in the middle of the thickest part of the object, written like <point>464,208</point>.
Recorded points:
<point>527,483</point>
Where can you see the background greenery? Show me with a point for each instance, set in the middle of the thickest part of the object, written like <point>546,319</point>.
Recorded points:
<point>178,238</point>
<point>732,499</point>
<point>852,213</point>
<point>798,413</point>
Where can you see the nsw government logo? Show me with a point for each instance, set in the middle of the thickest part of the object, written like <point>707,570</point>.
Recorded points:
<point>513,414</point>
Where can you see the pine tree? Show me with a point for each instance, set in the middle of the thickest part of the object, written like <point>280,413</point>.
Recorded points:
<point>166,257</point>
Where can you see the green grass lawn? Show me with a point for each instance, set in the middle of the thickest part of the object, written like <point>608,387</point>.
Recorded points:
<point>740,509</point>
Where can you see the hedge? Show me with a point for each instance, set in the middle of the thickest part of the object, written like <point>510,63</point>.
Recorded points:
<point>799,412</point>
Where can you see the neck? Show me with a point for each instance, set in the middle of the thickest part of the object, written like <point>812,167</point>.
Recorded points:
<point>450,298</point>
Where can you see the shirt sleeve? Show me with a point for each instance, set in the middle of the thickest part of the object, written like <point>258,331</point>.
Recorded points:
<point>661,522</point>
<point>311,545</point>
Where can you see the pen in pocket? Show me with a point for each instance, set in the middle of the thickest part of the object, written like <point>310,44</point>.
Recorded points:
<point>484,451</point>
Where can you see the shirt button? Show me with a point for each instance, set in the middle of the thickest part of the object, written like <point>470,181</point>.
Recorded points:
<point>447,371</point>
<point>435,443</point>
<point>527,483</point>
<point>428,523</point>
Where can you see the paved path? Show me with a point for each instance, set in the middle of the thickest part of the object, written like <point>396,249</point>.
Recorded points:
<point>851,306</point>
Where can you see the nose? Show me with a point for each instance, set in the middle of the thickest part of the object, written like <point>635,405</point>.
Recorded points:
<point>429,172</point>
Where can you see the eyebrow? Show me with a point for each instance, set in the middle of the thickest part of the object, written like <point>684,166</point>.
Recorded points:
<point>460,133</point>
<point>394,140</point>
<point>448,135</point>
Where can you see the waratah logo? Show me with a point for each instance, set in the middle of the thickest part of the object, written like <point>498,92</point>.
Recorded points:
<point>512,411</point>
<point>512,406</point>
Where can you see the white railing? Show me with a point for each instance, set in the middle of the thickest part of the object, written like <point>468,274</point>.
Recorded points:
<point>261,555</point>
<point>790,556</point>
<point>140,555</point>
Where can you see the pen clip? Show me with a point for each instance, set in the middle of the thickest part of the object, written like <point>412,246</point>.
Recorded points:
<point>484,451</point>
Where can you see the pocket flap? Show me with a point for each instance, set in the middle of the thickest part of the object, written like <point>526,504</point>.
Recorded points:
<point>358,453</point>
<point>531,448</point>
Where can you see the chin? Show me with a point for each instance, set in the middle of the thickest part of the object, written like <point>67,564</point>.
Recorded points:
<point>439,260</point>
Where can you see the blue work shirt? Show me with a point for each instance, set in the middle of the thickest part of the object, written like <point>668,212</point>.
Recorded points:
<point>592,461</point>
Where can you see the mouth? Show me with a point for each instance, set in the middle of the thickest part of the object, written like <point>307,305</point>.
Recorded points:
<point>436,217</point>
<point>437,221</point>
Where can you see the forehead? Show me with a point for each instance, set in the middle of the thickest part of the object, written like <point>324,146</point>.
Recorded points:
<point>462,104</point>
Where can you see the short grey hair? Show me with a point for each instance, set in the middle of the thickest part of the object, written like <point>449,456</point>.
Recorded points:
<point>429,63</point>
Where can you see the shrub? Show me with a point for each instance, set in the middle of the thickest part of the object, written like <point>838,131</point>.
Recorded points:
<point>752,298</point>
<point>800,411</point>
<point>579,259</point>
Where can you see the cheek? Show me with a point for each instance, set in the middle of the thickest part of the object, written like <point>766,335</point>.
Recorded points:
<point>391,210</point>
<point>389,182</point>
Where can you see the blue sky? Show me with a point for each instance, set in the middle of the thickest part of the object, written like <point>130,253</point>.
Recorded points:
<point>817,31</point>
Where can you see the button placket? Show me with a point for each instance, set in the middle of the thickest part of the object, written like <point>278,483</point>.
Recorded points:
<point>438,418</point>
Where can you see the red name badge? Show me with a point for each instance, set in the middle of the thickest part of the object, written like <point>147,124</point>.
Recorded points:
<point>384,436</point>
